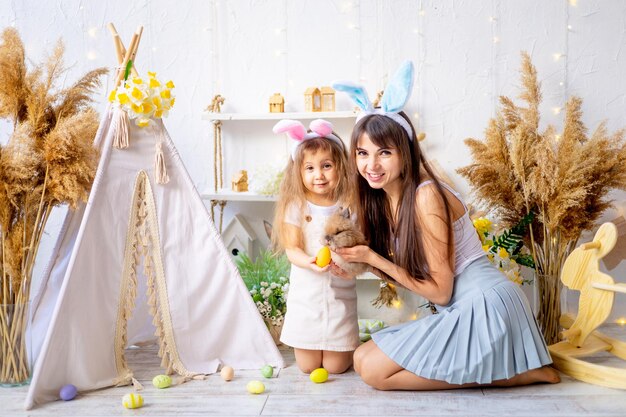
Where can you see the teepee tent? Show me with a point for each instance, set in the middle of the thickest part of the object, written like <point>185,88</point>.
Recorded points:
<point>141,257</point>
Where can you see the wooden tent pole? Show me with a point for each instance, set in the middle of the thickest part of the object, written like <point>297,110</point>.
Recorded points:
<point>123,54</point>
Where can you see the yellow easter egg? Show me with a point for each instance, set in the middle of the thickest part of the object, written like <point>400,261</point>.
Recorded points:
<point>323,257</point>
<point>255,387</point>
<point>319,375</point>
<point>132,400</point>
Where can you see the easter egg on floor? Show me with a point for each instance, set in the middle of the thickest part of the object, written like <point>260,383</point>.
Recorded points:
<point>68,392</point>
<point>227,373</point>
<point>267,371</point>
<point>161,381</point>
<point>132,400</point>
<point>255,387</point>
<point>323,257</point>
<point>319,375</point>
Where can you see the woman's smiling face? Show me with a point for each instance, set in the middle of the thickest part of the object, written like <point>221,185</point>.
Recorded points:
<point>381,167</point>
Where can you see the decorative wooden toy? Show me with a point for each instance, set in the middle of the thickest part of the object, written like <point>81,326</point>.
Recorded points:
<point>597,290</point>
<point>240,181</point>
<point>328,98</point>
<point>277,104</point>
<point>312,99</point>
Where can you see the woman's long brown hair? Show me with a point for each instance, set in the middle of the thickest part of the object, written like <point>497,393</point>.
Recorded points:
<point>372,205</point>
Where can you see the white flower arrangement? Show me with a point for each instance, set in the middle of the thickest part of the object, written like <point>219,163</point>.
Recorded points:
<point>144,99</point>
<point>266,179</point>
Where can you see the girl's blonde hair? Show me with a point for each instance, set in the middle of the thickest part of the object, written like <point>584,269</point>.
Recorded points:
<point>293,192</point>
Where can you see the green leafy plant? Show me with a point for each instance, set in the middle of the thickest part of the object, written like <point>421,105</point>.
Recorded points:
<point>267,280</point>
<point>506,249</point>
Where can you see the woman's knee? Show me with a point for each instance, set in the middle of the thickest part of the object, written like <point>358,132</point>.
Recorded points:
<point>371,375</point>
<point>359,357</point>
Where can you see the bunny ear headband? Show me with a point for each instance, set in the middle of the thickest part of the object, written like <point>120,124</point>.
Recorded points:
<point>296,131</point>
<point>393,101</point>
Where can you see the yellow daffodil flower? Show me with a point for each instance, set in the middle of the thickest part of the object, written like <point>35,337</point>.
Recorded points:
<point>112,95</point>
<point>169,84</point>
<point>502,253</point>
<point>136,93</point>
<point>152,74</point>
<point>154,83</point>
<point>123,98</point>
<point>166,94</point>
<point>137,80</point>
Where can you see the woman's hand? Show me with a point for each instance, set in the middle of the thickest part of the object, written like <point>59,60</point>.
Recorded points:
<point>360,253</point>
<point>339,272</point>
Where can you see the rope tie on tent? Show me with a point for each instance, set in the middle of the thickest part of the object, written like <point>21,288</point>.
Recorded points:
<point>121,135</point>
<point>160,170</point>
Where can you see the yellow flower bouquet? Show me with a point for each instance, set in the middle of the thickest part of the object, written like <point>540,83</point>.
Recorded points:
<point>144,98</point>
<point>505,249</point>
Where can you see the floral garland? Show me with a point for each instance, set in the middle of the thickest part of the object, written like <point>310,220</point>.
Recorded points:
<point>144,99</point>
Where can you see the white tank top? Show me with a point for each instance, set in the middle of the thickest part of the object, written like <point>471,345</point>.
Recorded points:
<point>467,246</point>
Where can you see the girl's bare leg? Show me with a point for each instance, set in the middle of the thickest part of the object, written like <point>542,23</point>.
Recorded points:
<point>308,360</point>
<point>336,362</point>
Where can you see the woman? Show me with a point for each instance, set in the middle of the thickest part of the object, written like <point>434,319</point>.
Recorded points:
<point>421,237</point>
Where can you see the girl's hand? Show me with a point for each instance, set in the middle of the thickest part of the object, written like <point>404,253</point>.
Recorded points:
<point>359,253</point>
<point>337,271</point>
<point>312,265</point>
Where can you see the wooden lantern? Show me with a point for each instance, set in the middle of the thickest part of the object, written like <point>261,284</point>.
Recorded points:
<point>240,181</point>
<point>277,103</point>
<point>328,98</point>
<point>312,99</point>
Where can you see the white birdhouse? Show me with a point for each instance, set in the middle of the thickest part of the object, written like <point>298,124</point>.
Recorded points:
<point>238,236</point>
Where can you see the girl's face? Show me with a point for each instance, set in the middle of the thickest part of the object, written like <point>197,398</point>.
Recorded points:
<point>319,174</point>
<point>381,167</point>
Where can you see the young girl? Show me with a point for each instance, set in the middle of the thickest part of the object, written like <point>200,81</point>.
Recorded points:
<point>421,236</point>
<point>321,321</point>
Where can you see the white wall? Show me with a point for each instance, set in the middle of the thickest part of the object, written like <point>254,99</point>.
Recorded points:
<point>467,53</point>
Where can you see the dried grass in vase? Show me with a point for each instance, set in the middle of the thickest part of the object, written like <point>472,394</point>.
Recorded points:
<point>564,178</point>
<point>48,161</point>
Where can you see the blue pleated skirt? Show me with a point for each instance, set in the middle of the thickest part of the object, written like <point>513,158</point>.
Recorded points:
<point>486,333</point>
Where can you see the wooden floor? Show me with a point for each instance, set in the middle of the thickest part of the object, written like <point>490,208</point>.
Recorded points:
<point>290,393</point>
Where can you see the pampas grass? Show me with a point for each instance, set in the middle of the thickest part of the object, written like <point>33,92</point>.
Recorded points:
<point>48,161</point>
<point>563,178</point>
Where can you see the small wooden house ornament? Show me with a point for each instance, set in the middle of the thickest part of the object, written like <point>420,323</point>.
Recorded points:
<point>277,103</point>
<point>312,99</point>
<point>240,181</point>
<point>328,98</point>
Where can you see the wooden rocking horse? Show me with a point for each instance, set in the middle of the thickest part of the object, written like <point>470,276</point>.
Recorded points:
<point>597,290</point>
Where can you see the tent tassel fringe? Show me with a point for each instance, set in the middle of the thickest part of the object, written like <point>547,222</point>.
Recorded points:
<point>159,165</point>
<point>121,138</point>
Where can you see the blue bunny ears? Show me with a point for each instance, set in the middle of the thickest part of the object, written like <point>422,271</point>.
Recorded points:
<point>394,99</point>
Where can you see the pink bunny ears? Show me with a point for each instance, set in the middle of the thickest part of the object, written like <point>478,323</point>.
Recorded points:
<point>296,131</point>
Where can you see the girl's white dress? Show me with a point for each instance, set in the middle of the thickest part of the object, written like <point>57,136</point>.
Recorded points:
<point>321,308</point>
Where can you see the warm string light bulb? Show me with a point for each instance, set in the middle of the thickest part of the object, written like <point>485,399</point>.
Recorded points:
<point>621,321</point>
<point>396,303</point>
